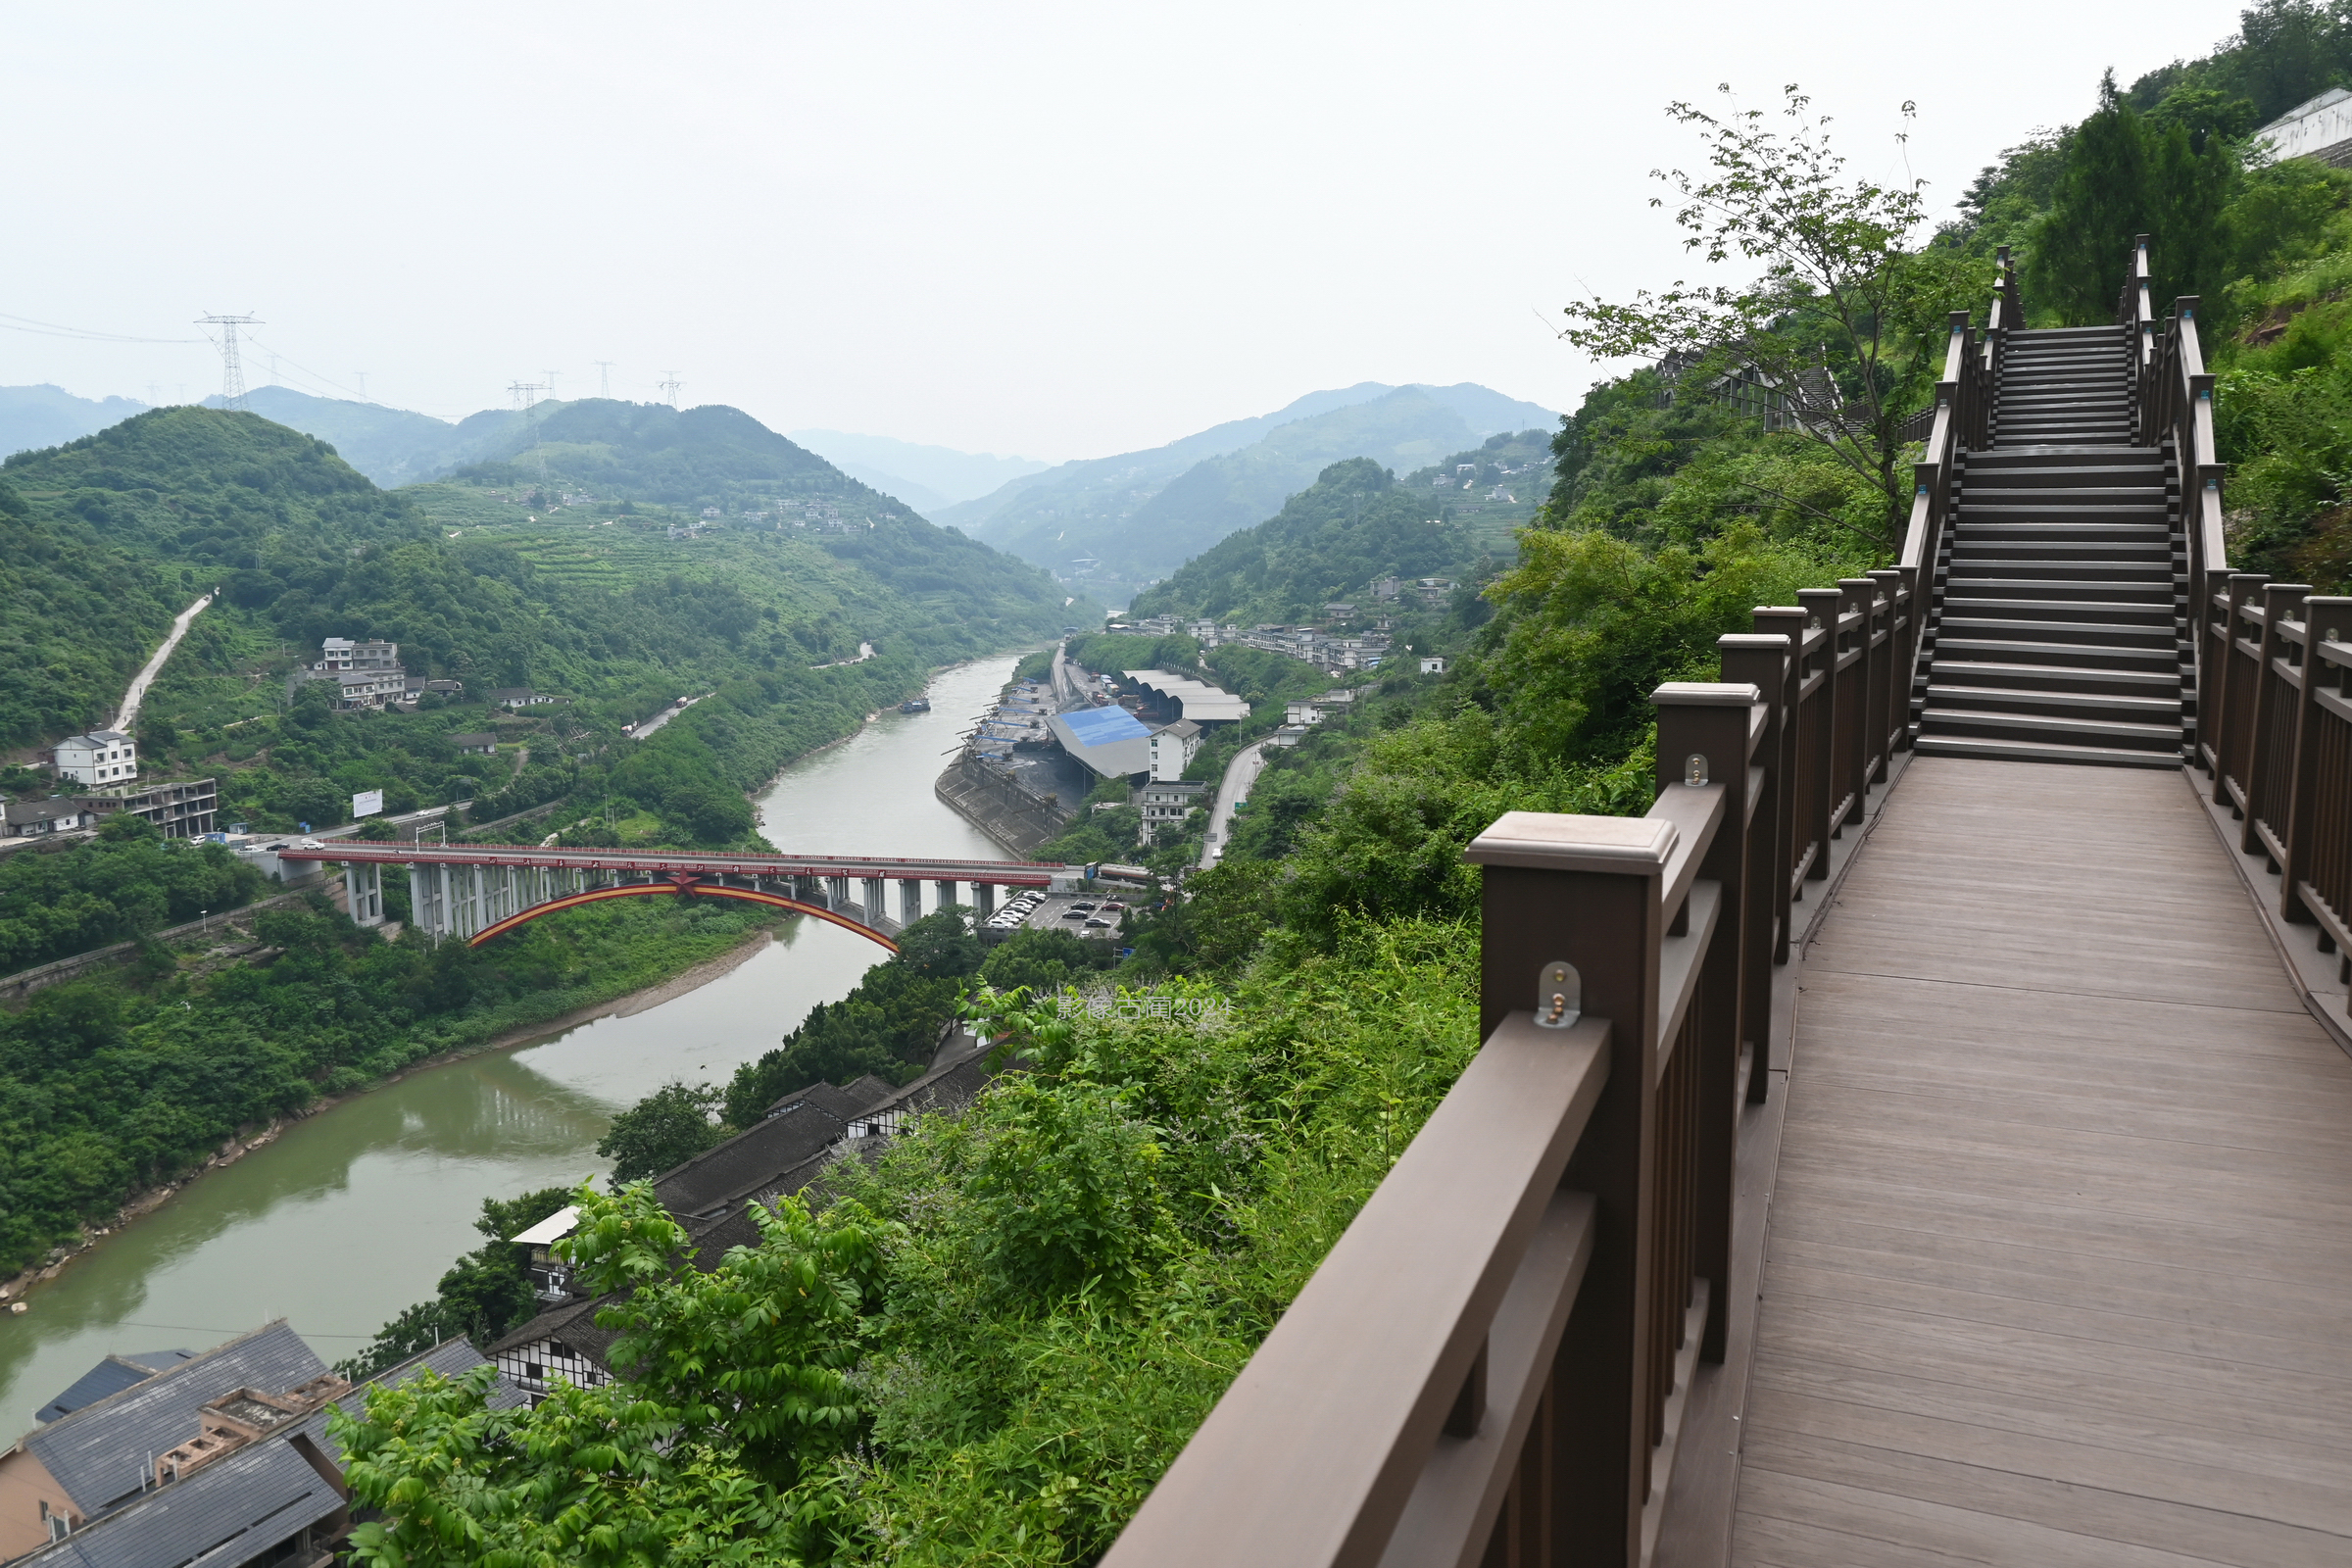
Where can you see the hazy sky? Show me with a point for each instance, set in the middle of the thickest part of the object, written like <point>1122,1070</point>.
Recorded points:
<point>1055,230</point>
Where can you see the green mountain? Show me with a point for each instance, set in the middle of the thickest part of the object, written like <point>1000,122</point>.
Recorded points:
<point>618,606</point>
<point>1114,525</point>
<point>391,446</point>
<point>1355,524</point>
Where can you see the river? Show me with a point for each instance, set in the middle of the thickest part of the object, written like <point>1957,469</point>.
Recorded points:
<point>353,1214</point>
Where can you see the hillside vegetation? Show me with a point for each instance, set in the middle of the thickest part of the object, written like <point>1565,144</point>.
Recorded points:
<point>1141,514</point>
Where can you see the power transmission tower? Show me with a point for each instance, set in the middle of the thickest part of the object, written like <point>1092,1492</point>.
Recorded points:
<point>671,386</point>
<point>232,374</point>
<point>551,384</point>
<point>363,379</point>
<point>604,367</point>
<point>526,399</point>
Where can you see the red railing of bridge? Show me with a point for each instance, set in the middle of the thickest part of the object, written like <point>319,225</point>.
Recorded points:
<point>667,863</point>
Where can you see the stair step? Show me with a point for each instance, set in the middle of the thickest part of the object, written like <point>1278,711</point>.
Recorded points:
<point>2054,677</point>
<point>2061,551</point>
<point>2022,750</point>
<point>2103,455</point>
<point>2138,610</point>
<point>2068,728</point>
<point>2161,636</point>
<point>1972,588</point>
<point>2055,574</point>
<point>1971,644</point>
<point>2013,699</point>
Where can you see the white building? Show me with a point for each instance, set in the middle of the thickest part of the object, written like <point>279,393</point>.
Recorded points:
<point>338,654</point>
<point>2320,130</point>
<point>370,688</point>
<point>1173,748</point>
<point>1165,805</point>
<point>1433,664</point>
<point>102,756</point>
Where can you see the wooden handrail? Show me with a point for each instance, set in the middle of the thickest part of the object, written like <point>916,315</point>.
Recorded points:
<point>1491,1364</point>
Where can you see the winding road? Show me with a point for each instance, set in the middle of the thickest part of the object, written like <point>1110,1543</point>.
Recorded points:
<point>146,677</point>
<point>1239,774</point>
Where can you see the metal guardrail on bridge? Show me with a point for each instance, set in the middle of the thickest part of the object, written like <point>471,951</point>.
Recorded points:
<point>478,892</point>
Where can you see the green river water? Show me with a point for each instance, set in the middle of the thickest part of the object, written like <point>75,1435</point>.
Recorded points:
<point>355,1213</point>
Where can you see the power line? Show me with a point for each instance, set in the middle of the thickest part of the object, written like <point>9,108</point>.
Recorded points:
<point>25,323</point>
<point>232,374</point>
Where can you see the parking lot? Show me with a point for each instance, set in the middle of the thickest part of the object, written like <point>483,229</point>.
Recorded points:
<point>1082,914</point>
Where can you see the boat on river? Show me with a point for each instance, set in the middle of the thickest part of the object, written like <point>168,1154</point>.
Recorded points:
<point>916,705</point>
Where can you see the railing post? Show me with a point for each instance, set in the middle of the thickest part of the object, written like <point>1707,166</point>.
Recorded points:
<point>1861,757</point>
<point>2278,602</point>
<point>1587,890</point>
<point>1822,607</point>
<point>1715,721</point>
<point>2233,692</point>
<point>1762,662</point>
<point>1894,692</point>
<point>1788,821</point>
<point>2325,617</point>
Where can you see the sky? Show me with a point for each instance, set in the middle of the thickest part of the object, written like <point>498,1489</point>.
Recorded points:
<point>1052,230</point>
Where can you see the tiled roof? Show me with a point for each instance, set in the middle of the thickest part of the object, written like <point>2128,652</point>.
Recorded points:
<point>100,1452</point>
<point>233,1510</point>
<point>110,1376</point>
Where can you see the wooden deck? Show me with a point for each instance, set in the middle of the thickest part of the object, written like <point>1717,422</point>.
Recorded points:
<point>2059,1266</point>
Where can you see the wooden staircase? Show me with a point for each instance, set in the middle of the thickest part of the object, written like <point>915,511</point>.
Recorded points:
<point>2059,628</point>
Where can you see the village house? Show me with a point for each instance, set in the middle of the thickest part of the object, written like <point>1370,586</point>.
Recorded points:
<point>162,1458</point>
<point>1172,749</point>
<point>28,819</point>
<point>102,756</point>
<point>1165,805</point>
<point>518,697</point>
<point>482,745</point>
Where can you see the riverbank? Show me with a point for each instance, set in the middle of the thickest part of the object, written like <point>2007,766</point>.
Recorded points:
<point>14,1290</point>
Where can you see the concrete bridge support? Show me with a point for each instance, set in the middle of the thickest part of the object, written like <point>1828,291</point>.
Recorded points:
<point>910,902</point>
<point>363,894</point>
<point>837,892</point>
<point>947,894</point>
<point>876,907</point>
<point>984,898</point>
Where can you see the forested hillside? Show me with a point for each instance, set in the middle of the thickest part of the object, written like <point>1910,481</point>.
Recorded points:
<point>1359,522</point>
<point>1140,515</point>
<point>2266,246</point>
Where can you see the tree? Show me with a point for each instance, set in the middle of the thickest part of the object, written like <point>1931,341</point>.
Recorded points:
<point>665,1129</point>
<point>2168,176</point>
<point>1835,325</point>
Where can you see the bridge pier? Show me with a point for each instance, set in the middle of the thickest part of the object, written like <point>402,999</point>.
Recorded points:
<point>837,892</point>
<point>363,894</point>
<point>875,908</point>
<point>984,899</point>
<point>947,894</point>
<point>910,902</point>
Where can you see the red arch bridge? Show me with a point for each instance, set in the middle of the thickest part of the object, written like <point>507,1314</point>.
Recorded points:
<point>479,891</point>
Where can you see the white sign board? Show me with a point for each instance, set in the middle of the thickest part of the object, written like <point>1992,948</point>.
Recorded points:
<point>367,802</point>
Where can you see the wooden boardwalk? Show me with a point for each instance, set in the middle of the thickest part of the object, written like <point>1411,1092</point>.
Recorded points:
<point>2059,1266</point>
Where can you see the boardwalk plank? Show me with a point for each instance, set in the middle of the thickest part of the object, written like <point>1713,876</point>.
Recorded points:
<point>2060,1262</point>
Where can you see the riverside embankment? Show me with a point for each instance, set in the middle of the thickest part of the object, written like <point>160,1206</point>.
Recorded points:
<point>348,1215</point>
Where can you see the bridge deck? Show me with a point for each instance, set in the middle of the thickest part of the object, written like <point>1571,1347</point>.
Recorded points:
<point>2060,1265</point>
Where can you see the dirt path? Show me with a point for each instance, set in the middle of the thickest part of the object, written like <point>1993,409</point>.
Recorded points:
<point>137,694</point>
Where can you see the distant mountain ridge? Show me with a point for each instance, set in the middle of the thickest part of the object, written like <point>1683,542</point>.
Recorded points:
<point>928,478</point>
<point>1111,524</point>
<point>46,415</point>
